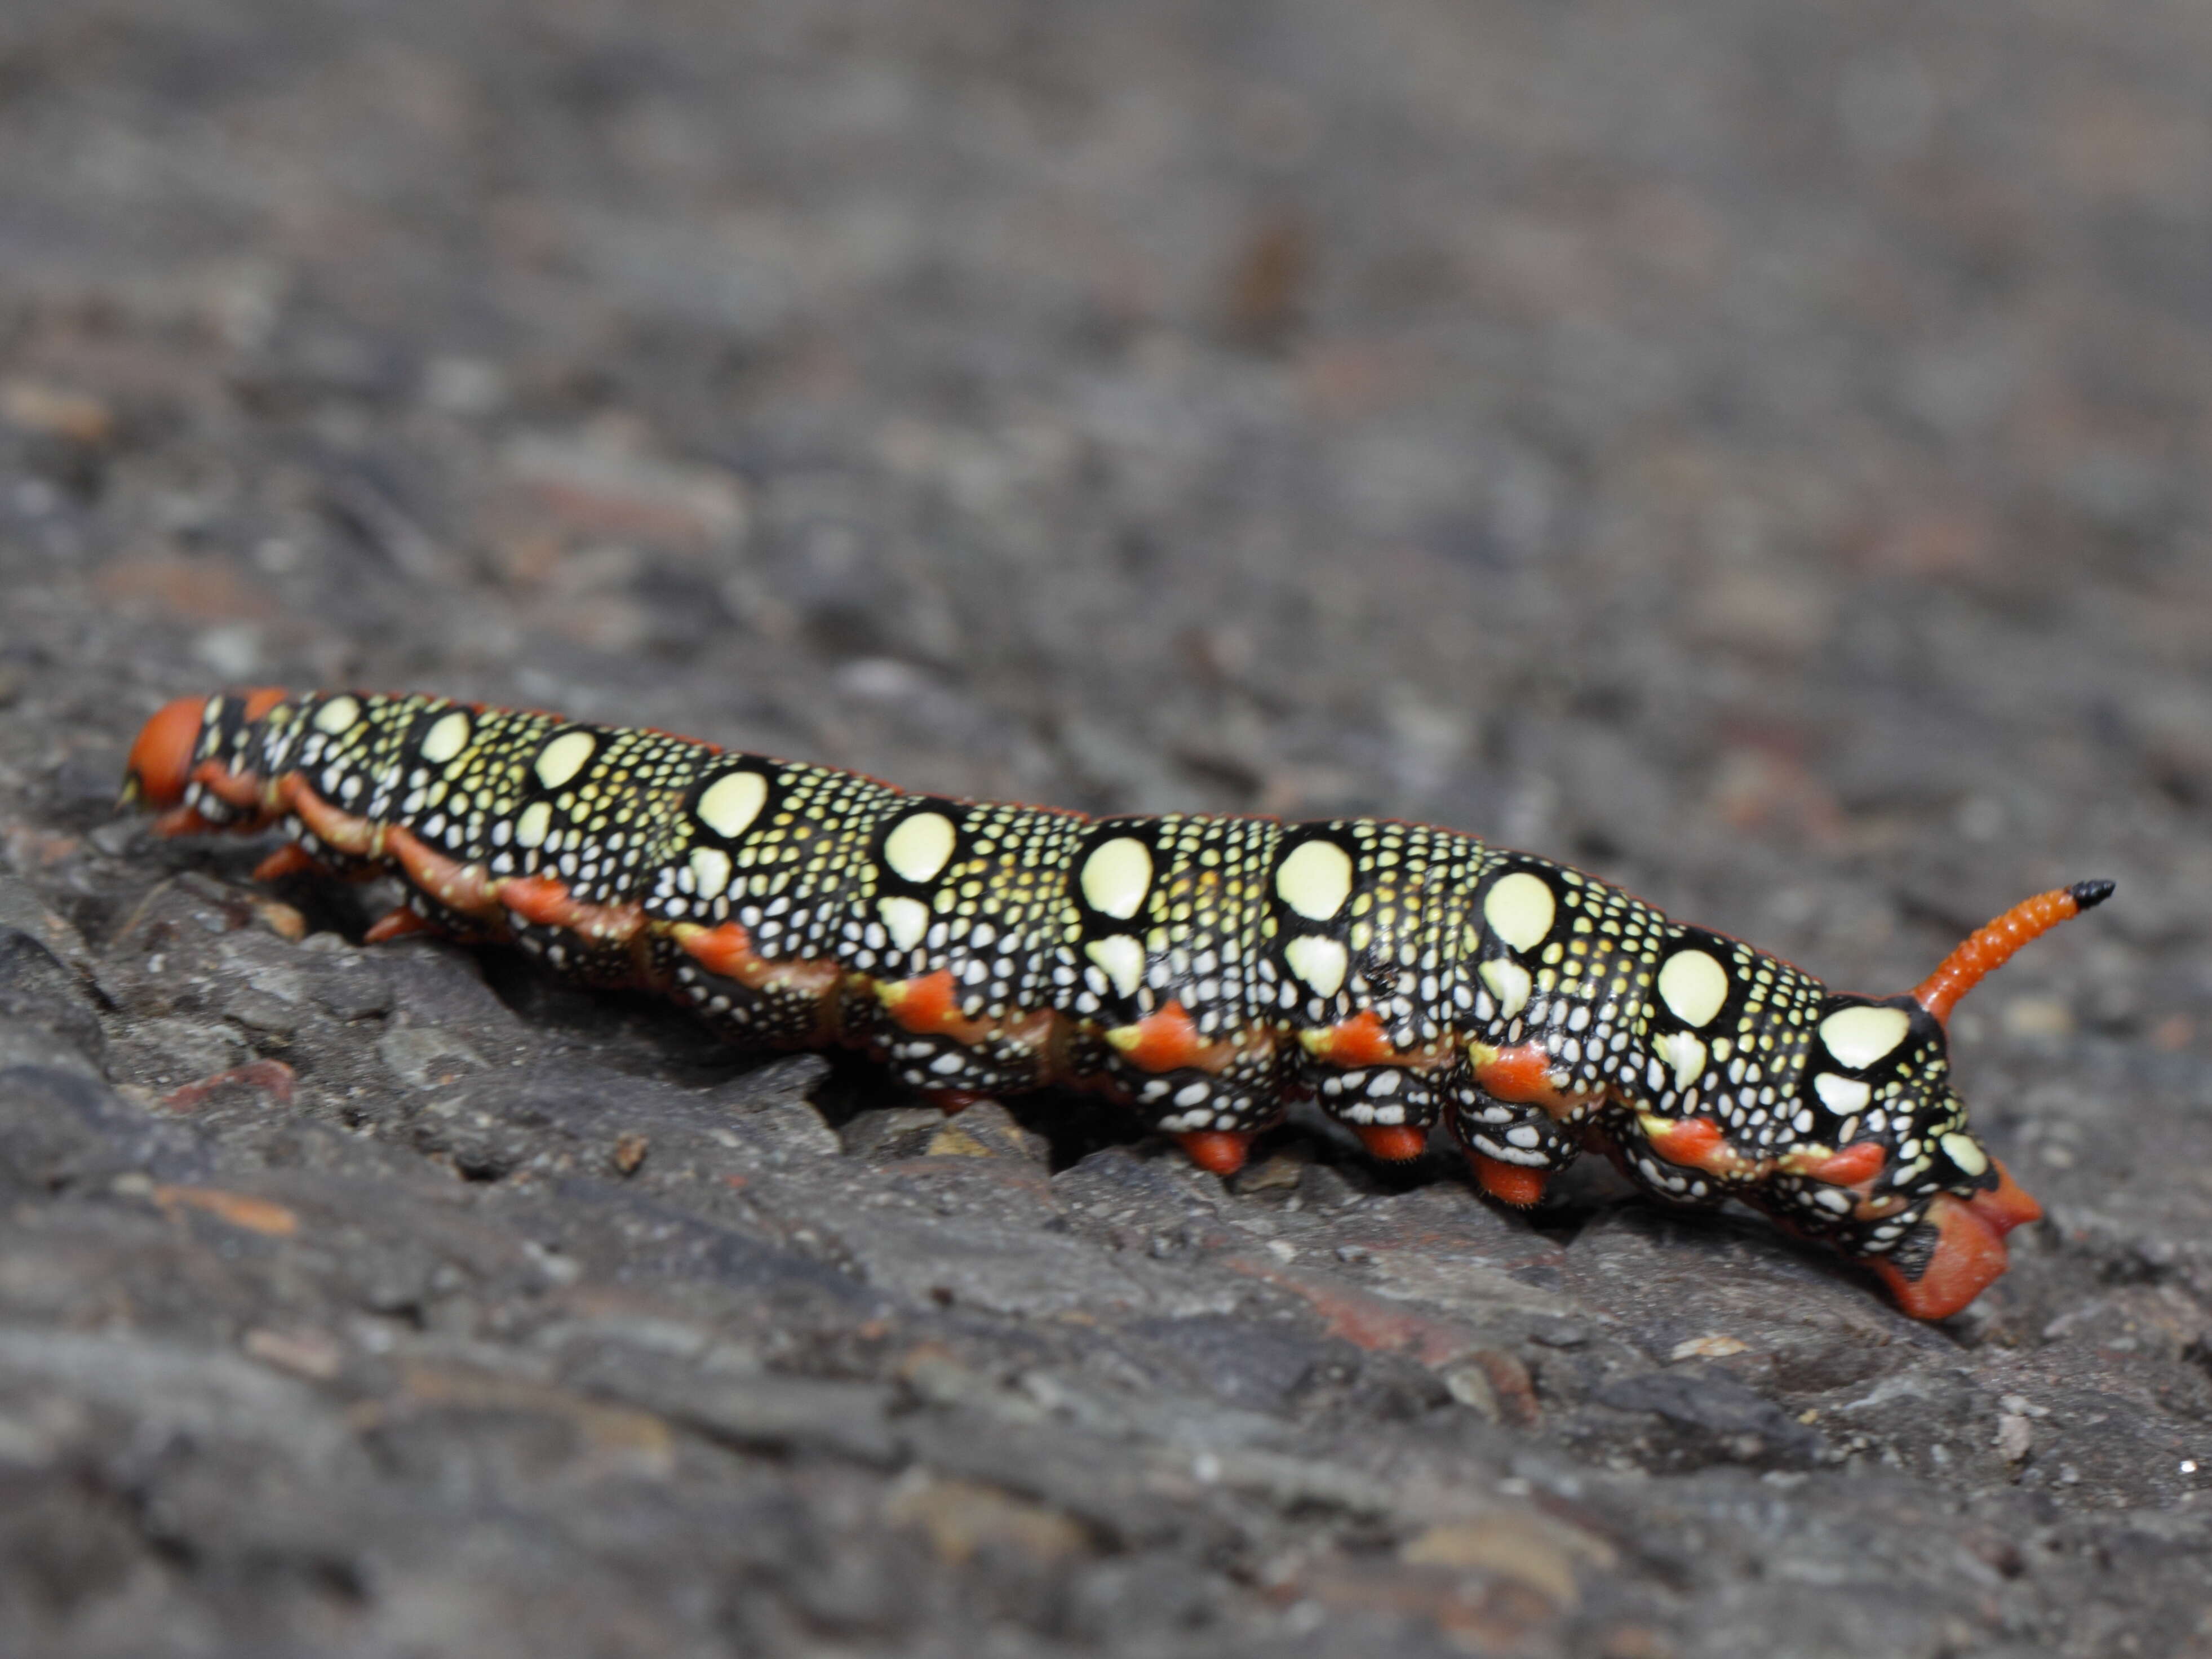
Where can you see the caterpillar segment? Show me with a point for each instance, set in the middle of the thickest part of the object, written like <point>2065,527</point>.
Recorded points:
<point>1202,969</point>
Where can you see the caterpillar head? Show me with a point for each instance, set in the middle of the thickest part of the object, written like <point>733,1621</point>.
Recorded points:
<point>167,746</point>
<point>1909,1189</point>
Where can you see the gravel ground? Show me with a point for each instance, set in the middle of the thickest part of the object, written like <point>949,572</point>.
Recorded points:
<point>1755,450</point>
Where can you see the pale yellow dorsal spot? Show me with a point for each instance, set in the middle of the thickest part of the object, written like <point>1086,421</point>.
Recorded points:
<point>337,715</point>
<point>1859,1037</point>
<point>906,919</point>
<point>1520,908</point>
<point>1846,1096</point>
<point>1686,1055</point>
<point>710,871</point>
<point>446,738</point>
<point>1316,879</point>
<point>1510,983</point>
<point>1321,962</point>
<point>1966,1152</point>
<point>530,829</point>
<point>731,802</point>
<point>1694,987</point>
<point>564,758</point>
<point>1121,958</point>
<point>1116,877</point>
<point>917,850</point>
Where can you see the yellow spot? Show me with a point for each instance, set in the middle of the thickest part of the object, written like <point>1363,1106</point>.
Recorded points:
<point>1859,1037</point>
<point>530,829</point>
<point>731,802</point>
<point>1117,876</point>
<point>1316,879</point>
<point>447,739</point>
<point>1520,909</point>
<point>564,758</point>
<point>918,849</point>
<point>1694,987</point>
<point>1966,1152</point>
<point>337,715</point>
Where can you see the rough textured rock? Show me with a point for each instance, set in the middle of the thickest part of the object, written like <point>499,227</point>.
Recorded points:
<point>1754,450</point>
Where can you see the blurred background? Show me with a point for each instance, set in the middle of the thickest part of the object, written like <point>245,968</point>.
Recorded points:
<point>1755,449</point>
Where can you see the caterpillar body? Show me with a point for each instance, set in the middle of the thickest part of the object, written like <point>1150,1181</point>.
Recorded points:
<point>1203,969</point>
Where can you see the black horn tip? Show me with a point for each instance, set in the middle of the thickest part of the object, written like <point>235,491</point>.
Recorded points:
<point>2088,894</point>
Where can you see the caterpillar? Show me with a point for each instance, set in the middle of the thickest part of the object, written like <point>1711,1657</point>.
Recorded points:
<point>1203,969</point>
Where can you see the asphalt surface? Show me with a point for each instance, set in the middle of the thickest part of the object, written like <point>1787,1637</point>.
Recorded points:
<point>1756,452</point>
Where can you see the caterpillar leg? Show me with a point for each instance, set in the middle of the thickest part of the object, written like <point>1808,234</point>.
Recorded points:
<point>1513,1147</point>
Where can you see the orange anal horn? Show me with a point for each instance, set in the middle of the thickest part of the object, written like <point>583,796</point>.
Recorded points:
<point>1988,949</point>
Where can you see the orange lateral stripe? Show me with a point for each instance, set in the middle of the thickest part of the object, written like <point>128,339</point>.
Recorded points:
<point>1860,1161</point>
<point>926,1006</point>
<point>1163,1041</point>
<point>1696,1143</point>
<point>1509,1183</point>
<point>1394,1143</point>
<point>1521,1076</point>
<point>726,949</point>
<point>1359,1041</point>
<point>1217,1151</point>
<point>540,899</point>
